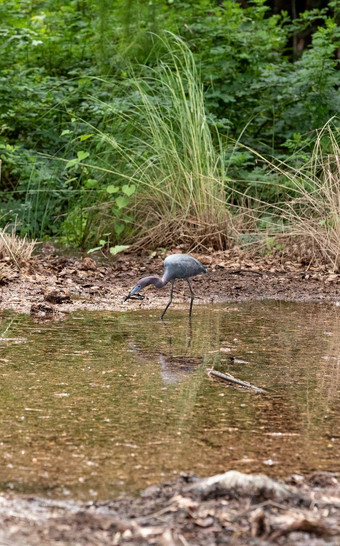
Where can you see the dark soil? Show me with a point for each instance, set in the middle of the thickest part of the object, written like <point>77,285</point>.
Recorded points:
<point>52,283</point>
<point>51,286</point>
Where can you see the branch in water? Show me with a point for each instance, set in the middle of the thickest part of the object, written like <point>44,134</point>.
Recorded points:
<point>232,379</point>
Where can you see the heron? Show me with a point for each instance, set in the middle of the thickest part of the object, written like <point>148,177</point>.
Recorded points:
<point>176,266</point>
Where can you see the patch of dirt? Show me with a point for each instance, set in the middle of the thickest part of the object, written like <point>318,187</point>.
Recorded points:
<point>70,283</point>
<point>231,508</point>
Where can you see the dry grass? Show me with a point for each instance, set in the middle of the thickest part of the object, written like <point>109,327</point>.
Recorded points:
<point>314,213</point>
<point>311,217</point>
<point>190,232</point>
<point>14,249</point>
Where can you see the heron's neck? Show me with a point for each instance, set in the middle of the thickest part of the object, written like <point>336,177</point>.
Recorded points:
<point>157,281</point>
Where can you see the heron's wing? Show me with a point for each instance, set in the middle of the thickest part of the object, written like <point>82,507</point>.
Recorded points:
<point>182,266</point>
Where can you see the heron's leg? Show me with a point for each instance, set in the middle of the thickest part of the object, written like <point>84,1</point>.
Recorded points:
<point>189,337</point>
<point>170,300</point>
<point>192,295</point>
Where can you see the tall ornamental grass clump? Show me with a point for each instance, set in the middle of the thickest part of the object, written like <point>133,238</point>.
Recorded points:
<point>177,168</point>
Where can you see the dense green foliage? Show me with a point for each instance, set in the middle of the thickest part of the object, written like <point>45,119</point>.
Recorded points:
<point>71,106</point>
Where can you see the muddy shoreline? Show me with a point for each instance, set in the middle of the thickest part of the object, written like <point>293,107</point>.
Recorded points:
<point>65,284</point>
<point>232,508</point>
<point>51,286</point>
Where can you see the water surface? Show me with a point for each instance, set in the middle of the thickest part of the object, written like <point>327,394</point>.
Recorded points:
<point>106,403</point>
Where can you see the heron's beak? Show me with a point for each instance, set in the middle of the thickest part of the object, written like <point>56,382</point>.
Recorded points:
<point>133,295</point>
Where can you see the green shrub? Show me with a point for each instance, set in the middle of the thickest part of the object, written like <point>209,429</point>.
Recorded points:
<point>65,90</point>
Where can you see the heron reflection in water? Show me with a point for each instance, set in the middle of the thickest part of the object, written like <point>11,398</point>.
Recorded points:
<point>174,368</point>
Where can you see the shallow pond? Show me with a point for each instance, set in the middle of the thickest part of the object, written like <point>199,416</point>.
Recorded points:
<point>106,403</point>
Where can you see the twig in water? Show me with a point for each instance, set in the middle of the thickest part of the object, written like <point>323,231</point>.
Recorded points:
<point>232,379</point>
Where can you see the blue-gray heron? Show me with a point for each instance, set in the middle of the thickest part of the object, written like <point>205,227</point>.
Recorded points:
<point>176,266</point>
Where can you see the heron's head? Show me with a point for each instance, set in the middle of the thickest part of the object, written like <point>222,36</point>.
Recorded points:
<point>142,283</point>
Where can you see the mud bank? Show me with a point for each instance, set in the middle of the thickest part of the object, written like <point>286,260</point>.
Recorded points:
<point>232,508</point>
<point>61,283</point>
